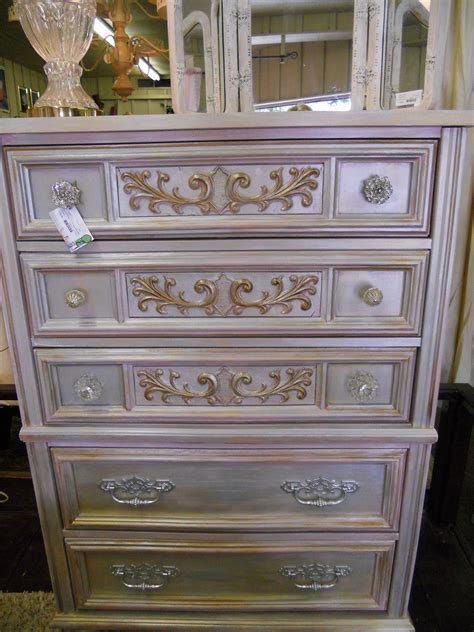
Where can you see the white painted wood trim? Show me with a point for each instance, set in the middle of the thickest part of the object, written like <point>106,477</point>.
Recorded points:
<point>446,204</point>
<point>237,121</point>
<point>375,53</point>
<point>210,51</point>
<point>359,54</point>
<point>440,14</point>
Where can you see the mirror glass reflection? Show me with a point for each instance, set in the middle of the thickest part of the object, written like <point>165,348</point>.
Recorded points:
<point>406,43</point>
<point>302,54</point>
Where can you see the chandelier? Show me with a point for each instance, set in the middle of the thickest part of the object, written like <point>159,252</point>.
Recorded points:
<point>123,51</point>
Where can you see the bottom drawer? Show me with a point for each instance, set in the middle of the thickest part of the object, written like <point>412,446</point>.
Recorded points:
<point>242,572</point>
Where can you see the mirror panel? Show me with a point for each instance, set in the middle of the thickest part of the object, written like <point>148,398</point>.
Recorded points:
<point>405,55</point>
<point>302,54</point>
<point>193,28</point>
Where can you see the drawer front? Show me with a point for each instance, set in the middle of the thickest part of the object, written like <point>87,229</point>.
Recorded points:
<point>230,489</point>
<point>226,385</point>
<point>216,572</point>
<point>227,293</point>
<point>247,188</point>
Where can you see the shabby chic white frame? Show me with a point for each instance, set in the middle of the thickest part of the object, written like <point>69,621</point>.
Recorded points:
<point>435,51</point>
<point>178,28</point>
<point>373,52</point>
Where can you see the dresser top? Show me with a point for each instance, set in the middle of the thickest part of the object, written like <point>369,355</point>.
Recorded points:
<point>254,120</point>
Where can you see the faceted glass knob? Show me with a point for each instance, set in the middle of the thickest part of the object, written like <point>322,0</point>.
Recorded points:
<point>363,387</point>
<point>88,387</point>
<point>75,298</point>
<point>377,189</point>
<point>65,194</point>
<point>372,296</point>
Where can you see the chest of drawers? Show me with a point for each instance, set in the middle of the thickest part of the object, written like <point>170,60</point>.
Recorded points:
<point>228,396</point>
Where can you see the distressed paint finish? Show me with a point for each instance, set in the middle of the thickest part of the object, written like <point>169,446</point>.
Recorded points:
<point>231,461</point>
<point>335,205</point>
<point>203,293</point>
<point>327,395</point>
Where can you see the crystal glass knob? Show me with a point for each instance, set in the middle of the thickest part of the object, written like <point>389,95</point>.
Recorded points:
<point>362,386</point>
<point>377,189</point>
<point>75,298</point>
<point>88,387</point>
<point>65,194</point>
<point>372,296</point>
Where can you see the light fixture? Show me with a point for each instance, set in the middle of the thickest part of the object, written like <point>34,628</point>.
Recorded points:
<point>61,32</point>
<point>148,70</point>
<point>123,52</point>
<point>103,30</point>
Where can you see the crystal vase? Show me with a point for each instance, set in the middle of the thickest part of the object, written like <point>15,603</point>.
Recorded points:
<point>61,32</point>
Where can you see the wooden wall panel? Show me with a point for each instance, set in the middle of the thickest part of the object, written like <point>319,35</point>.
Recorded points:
<point>18,75</point>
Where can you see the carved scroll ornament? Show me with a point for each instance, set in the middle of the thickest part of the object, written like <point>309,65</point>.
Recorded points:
<point>220,192</point>
<point>226,387</point>
<point>150,290</point>
<point>224,296</point>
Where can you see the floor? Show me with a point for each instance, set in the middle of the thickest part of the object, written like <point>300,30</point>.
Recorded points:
<point>443,588</point>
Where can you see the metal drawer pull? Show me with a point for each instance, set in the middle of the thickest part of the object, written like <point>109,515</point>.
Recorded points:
<point>377,189</point>
<point>136,491</point>
<point>372,296</point>
<point>320,492</point>
<point>88,387</point>
<point>315,576</point>
<point>144,576</point>
<point>362,386</point>
<point>75,298</point>
<point>65,194</point>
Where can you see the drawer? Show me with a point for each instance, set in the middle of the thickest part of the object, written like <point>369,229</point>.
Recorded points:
<point>227,292</point>
<point>220,572</point>
<point>232,188</point>
<point>226,385</point>
<point>230,490</point>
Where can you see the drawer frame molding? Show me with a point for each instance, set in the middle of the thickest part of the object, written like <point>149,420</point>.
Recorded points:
<point>329,215</point>
<point>361,515</point>
<point>209,294</point>
<point>291,396</point>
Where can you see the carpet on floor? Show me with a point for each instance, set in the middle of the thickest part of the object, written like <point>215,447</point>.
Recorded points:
<point>26,612</point>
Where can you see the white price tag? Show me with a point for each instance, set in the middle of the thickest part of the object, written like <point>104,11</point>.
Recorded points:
<point>71,227</point>
<point>413,97</point>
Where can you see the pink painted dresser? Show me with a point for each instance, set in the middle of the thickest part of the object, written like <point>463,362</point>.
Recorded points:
<point>228,396</point>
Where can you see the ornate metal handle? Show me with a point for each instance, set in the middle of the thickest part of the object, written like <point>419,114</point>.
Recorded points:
<point>136,491</point>
<point>362,386</point>
<point>372,296</point>
<point>88,387</point>
<point>320,492</point>
<point>377,189</point>
<point>144,576</point>
<point>315,576</point>
<point>75,298</point>
<point>65,194</point>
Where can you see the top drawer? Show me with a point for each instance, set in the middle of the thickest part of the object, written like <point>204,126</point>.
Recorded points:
<point>376,188</point>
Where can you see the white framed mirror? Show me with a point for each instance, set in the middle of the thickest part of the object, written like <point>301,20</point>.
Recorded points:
<point>193,31</point>
<point>415,45</point>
